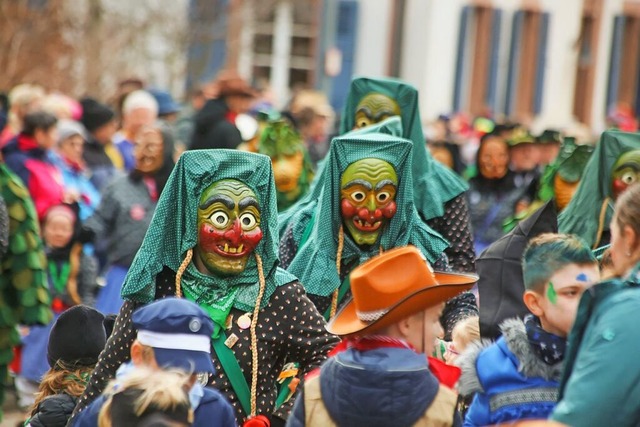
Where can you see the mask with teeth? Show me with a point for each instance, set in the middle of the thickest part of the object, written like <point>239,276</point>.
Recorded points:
<point>367,198</point>
<point>228,227</point>
<point>375,108</point>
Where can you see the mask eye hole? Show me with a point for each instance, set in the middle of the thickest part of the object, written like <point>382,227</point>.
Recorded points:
<point>219,219</point>
<point>248,221</point>
<point>383,197</point>
<point>628,178</point>
<point>358,196</point>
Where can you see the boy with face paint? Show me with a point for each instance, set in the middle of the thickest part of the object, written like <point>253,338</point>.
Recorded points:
<point>557,270</point>
<point>213,241</point>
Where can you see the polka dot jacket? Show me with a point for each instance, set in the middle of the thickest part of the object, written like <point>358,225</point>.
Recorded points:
<point>289,329</point>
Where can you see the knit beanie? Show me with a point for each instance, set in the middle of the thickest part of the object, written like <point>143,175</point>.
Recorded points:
<point>95,114</point>
<point>77,337</point>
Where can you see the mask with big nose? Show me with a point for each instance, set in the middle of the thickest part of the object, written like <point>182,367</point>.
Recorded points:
<point>367,198</point>
<point>228,227</point>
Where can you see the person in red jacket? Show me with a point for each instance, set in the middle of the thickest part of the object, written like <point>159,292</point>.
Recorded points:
<point>27,155</point>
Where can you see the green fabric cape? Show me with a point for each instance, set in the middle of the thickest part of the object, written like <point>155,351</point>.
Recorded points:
<point>581,216</point>
<point>315,261</point>
<point>390,126</point>
<point>433,183</point>
<point>173,228</point>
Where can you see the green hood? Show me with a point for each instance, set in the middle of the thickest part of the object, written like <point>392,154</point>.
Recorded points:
<point>315,262</point>
<point>582,214</point>
<point>391,126</point>
<point>434,184</point>
<point>173,229</point>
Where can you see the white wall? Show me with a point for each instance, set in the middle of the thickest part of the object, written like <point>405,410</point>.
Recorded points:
<point>429,52</point>
<point>373,38</point>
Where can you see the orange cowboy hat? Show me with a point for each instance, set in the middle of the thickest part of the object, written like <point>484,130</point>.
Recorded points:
<point>393,286</point>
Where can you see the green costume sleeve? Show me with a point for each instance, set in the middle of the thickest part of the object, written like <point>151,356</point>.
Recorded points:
<point>23,281</point>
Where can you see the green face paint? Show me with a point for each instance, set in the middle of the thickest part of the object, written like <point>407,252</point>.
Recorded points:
<point>552,296</point>
<point>367,198</point>
<point>228,227</point>
<point>284,146</point>
<point>374,108</point>
<point>625,172</point>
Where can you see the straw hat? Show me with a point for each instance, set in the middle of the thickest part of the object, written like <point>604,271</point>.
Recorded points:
<point>393,286</point>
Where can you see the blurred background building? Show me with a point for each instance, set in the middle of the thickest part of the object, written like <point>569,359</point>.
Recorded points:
<point>546,63</point>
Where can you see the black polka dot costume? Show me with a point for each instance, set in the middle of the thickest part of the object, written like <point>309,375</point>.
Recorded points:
<point>289,328</point>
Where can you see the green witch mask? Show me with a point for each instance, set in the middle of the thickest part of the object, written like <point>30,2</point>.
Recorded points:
<point>367,198</point>
<point>291,171</point>
<point>375,108</point>
<point>625,172</point>
<point>228,227</point>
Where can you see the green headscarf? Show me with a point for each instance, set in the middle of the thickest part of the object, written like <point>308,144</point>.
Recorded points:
<point>391,126</point>
<point>433,183</point>
<point>173,228</point>
<point>582,214</point>
<point>315,261</point>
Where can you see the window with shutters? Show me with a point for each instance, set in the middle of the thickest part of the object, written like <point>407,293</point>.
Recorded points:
<point>477,60</point>
<point>623,91</point>
<point>587,47</point>
<point>527,61</point>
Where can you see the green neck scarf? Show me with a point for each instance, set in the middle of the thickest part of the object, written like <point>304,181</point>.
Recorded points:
<point>315,261</point>
<point>59,278</point>
<point>582,215</point>
<point>433,183</point>
<point>173,229</point>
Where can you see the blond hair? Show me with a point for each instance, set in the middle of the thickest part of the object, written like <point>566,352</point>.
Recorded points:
<point>161,390</point>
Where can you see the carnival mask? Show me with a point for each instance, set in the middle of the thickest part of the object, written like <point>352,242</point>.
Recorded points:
<point>367,198</point>
<point>228,226</point>
<point>493,158</point>
<point>375,108</point>
<point>626,171</point>
<point>285,147</point>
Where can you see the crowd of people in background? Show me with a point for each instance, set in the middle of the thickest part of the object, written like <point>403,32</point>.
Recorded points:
<point>82,182</point>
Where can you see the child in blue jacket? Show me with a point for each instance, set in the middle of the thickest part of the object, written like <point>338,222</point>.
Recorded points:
<point>517,377</point>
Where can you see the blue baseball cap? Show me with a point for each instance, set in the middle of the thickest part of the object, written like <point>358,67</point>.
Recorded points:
<point>179,332</point>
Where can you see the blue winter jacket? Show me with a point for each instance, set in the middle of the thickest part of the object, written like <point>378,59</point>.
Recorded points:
<point>375,388</point>
<point>509,381</point>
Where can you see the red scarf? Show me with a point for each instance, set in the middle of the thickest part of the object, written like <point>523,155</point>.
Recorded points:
<point>26,142</point>
<point>447,375</point>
